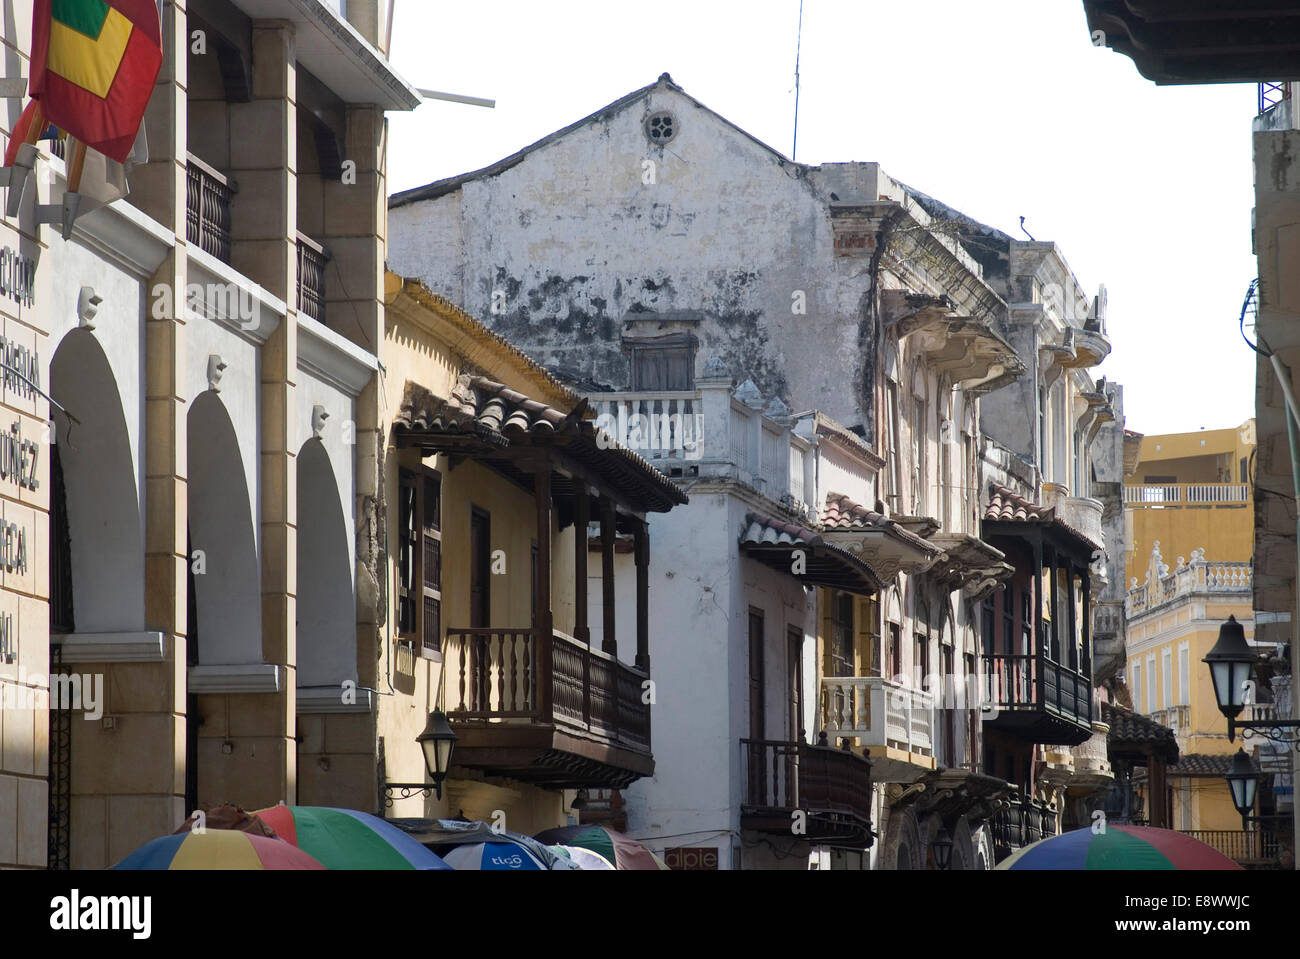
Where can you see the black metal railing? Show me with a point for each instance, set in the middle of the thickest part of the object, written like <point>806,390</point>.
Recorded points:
<point>1021,822</point>
<point>312,258</point>
<point>208,198</point>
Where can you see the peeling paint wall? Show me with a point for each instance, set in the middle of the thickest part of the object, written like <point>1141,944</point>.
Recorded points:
<point>601,224</point>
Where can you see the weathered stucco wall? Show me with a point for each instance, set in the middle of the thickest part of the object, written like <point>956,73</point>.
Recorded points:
<point>555,251</point>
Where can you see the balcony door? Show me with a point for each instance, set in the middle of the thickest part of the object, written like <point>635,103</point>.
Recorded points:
<point>794,672</point>
<point>757,674</point>
<point>480,602</point>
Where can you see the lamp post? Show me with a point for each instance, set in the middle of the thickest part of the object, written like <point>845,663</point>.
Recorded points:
<point>942,846</point>
<point>1243,783</point>
<point>1232,662</point>
<point>437,742</point>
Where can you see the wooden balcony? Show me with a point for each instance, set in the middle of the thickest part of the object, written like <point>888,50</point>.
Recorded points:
<point>893,722</point>
<point>1038,699</point>
<point>831,786</point>
<point>208,197</point>
<point>556,713</point>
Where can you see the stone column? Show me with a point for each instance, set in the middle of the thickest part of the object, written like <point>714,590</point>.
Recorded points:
<point>263,153</point>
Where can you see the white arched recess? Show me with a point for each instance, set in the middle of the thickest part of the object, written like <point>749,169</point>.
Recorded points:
<point>101,492</point>
<point>223,544</point>
<point>327,634</point>
<point>96,298</point>
<point>332,373</point>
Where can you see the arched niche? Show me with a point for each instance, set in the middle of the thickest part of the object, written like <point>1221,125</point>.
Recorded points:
<point>104,552</point>
<point>327,632</point>
<point>223,549</point>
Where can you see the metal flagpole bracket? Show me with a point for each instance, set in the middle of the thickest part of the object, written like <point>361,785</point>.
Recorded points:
<point>15,177</point>
<point>62,214</point>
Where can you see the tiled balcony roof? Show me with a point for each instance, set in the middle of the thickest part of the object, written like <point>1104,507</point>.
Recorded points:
<point>842,514</point>
<point>499,416</point>
<point>1132,732</point>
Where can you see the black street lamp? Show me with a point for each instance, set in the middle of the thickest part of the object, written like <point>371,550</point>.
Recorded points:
<point>1232,662</point>
<point>1243,783</point>
<point>437,742</point>
<point>942,846</point>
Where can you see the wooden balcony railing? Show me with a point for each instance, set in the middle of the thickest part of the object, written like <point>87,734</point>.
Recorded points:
<point>494,675</point>
<point>1183,495</point>
<point>781,777</point>
<point>312,258</point>
<point>208,196</point>
<point>1242,845</point>
<point>1033,681</point>
<point>878,712</point>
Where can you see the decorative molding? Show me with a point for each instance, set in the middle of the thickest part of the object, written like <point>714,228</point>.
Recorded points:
<point>143,647</point>
<point>235,678</point>
<point>209,272</point>
<point>122,235</point>
<point>333,358</point>
<point>329,699</point>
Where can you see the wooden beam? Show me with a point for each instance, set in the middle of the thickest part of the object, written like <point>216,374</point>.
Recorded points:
<point>543,617</point>
<point>641,539</point>
<point>581,516</point>
<point>608,643</point>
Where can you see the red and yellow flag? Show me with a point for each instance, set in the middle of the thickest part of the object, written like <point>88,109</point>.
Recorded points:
<point>94,64</point>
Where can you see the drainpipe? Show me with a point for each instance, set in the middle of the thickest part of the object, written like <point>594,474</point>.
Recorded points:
<point>1293,415</point>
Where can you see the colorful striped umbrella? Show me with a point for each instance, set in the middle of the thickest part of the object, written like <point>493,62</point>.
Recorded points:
<point>494,856</point>
<point>348,839</point>
<point>623,851</point>
<point>218,849</point>
<point>1119,847</point>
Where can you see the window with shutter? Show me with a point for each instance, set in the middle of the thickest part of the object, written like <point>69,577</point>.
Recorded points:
<point>666,364</point>
<point>419,561</point>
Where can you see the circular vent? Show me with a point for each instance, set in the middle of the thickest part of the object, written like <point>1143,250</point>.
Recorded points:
<point>661,127</point>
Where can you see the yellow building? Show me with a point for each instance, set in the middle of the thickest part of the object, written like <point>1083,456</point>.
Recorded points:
<point>492,476</point>
<point>1191,491</point>
<point>1190,523</point>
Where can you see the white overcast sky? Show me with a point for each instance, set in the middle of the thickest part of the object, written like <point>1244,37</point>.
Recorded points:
<point>999,109</point>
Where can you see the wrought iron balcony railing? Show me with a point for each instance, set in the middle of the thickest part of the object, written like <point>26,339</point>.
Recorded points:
<point>208,198</point>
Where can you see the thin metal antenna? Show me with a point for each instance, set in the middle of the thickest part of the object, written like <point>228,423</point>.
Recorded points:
<point>798,43</point>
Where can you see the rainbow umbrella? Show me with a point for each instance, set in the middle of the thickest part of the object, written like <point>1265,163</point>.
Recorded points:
<point>218,849</point>
<point>622,851</point>
<point>348,839</point>
<point>1119,847</point>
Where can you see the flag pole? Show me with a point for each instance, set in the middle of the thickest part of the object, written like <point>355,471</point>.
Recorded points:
<point>76,163</point>
<point>38,123</point>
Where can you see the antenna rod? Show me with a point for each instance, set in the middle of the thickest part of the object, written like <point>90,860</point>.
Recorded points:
<point>798,43</point>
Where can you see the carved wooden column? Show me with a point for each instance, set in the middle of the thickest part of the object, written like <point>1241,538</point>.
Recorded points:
<point>608,535</point>
<point>642,547</point>
<point>581,516</point>
<point>543,618</point>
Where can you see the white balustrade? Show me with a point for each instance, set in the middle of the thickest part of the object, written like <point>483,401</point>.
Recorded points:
<point>878,712</point>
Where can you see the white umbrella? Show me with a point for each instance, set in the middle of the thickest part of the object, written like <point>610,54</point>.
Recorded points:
<point>585,858</point>
<point>503,856</point>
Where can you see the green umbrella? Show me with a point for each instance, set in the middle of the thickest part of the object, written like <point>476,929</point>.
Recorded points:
<point>622,851</point>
